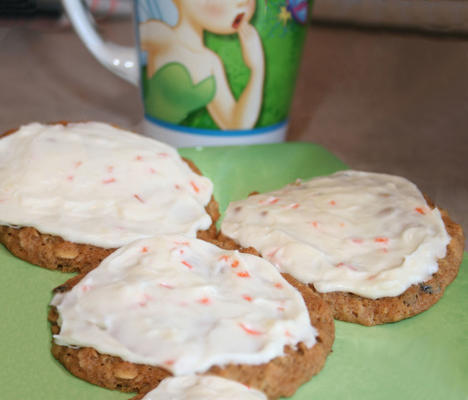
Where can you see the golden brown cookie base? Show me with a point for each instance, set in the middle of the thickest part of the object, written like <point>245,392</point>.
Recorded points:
<point>53,252</point>
<point>417,298</point>
<point>279,377</point>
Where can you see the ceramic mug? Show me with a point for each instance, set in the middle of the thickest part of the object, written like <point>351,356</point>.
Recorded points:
<point>211,72</point>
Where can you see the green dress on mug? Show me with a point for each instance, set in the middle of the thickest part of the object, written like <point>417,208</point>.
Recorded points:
<point>171,95</point>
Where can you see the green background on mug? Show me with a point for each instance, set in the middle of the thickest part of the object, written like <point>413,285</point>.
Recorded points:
<point>282,38</point>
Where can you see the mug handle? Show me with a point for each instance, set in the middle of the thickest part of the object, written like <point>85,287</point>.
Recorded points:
<point>121,60</point>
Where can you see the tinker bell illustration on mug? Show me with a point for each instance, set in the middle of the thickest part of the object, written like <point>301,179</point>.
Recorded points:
<point>183,75</point>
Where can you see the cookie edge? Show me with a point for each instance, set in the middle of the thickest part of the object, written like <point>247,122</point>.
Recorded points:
<point>55,253</point>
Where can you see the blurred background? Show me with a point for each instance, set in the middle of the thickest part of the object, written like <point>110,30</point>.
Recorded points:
<point>427,15</point>
<point>383,83</point>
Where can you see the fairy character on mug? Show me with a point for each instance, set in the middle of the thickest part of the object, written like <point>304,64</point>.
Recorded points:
<point>184,75</point>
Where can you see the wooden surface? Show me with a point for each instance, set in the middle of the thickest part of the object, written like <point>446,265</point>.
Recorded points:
<point>381,101</point>
<point>427,15</point>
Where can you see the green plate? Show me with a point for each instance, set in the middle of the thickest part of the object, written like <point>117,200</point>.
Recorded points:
<point>424,357</point>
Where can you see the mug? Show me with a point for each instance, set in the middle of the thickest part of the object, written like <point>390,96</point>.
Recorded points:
<point>211,72</point>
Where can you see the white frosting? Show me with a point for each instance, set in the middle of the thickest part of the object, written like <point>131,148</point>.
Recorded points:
<point>184,304</point>
<point>193,387</point>
<point>370,234</point>
<point>97,184</point>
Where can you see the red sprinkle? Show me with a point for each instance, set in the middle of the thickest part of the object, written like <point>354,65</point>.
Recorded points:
<point>152,171</point>
<point>204,300</point>
<point>314,224</point>
<point>333,202</point>
<point>247,297</point>
<point>224,258</point>
<point>235,264</point>
<point>294,206</point>
<point>280,308</point>
<point>147,298</point>
<point>339,265</point>
<point>165,285</point>
<point>272,253</point>
<point>138,158</point>
<point>195,187</point>
<point>189,266</point>
<point>177,187</point>
<point>357,241</point>
<point>110,180</point>
<point>248,330</point>
<point>78,164</point>
<point>269,200</point>
<point>278,285</point>
<point>182,243</point>
<point>86,288</point>
<point>381,240</point>
<point>144,249</point>
<point>420,210</point>
<point>243,274</point>
<point>70,177</point>
<point>169,362</point>
<point>138,198</point>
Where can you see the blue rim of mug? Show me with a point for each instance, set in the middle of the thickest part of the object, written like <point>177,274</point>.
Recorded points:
<point>215,132</point>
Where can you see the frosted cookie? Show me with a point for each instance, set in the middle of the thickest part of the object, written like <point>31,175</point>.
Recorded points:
<point>369,244</point>
<point>194,387</point>
<point>70,194</point>
<point>175,306</point>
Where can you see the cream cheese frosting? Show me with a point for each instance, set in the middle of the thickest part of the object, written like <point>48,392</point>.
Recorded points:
<point>193,387</point>
<point>96,184</point>
<point>185,305</point>
<point>365,233</point>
